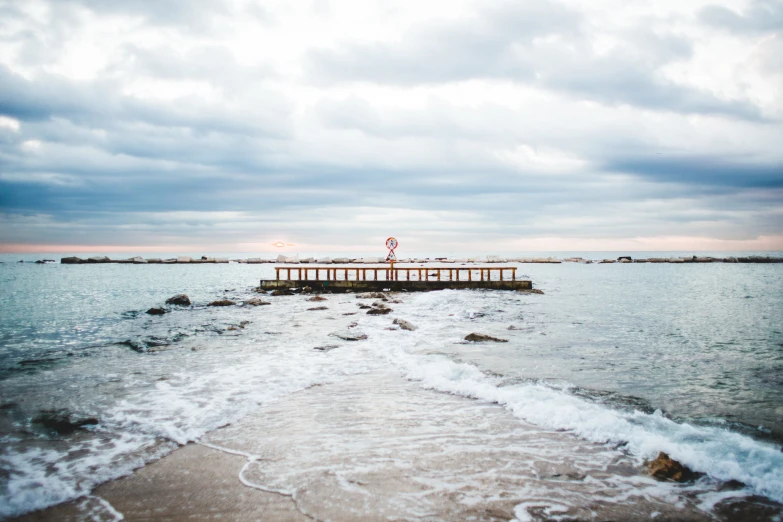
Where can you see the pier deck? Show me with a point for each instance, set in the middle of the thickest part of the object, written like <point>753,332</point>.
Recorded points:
<point>416,279</point>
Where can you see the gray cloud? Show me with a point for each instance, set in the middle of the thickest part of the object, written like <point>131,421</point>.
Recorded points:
<point>93,163</point>
<point>511,42</point>
<point>761,16</point>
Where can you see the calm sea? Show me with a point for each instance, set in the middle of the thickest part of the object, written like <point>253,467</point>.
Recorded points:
<point>686,359</point>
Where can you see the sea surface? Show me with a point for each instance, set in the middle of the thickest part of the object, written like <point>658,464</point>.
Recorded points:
<point>639,358</point>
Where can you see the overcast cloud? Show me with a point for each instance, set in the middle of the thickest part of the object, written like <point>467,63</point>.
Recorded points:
<point>454,125</point>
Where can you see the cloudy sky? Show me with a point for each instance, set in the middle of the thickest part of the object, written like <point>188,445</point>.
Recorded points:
<point>329,125</point>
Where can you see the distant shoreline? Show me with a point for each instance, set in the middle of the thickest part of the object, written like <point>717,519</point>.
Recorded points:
<point>426,260</point>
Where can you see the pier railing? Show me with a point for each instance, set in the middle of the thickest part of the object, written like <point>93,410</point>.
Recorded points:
<point>329,273</point>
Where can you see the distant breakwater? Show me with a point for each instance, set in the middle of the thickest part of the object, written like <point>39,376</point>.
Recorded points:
<point>379,260</point>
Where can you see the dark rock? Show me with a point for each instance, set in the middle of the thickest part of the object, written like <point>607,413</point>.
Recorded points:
<point>349,336</point>
<point>156,311</point>
<point>282,291</point>
<point>379,311</point>
<point>317,298</point>
<point>315,308</point>
<point>71,260</point>
<point>512,327</point>
<point>222,302</point>
<point>536,291</point>
<point>256,302</point>
<point>371,295</point>
<point>60,422</point>
<point>379,304</point>
<point>481,338</point>
<point>326,347</point>
<point>666,468</point>
<point>364,307</point>
<point>98,259</point>
<point>627,258</point>
<point>404,325</point>
<point>179,299</point>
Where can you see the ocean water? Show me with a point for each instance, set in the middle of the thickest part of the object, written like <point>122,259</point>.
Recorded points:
<point>628,360</point>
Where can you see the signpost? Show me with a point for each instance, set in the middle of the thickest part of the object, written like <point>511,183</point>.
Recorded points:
<point>391,244</point>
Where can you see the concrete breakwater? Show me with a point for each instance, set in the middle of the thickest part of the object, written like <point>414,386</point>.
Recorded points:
<point>379,260</point>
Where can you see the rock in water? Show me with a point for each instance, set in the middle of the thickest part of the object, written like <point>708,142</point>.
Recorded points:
<point>179,299</point>
<point>379,311</point>
<point>222,302</point>
<point>404,325</point>
<point>256,302</point>
<point>156,311</point>
<point>315,308</point>
<point>348,335</point>
<point>666,468</point>
<point>282,291</point>
<point>371,295</point>
<point>317,298</point>
<point>71,260</point>
<point>60,422</point>
<point>482,338</point>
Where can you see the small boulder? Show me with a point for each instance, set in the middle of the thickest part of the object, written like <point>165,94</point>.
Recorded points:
<point>222,302</point>
<point>371,295</point>
<point>315,308</point>
<point>60,422</point>
<point>666,468</point>
<point>348,335</point>
<point>179,299</point>
<point>482,338</point>
<point>282,291</point>
<point>316,298</point>
<point>378,311</point>
<point>156,311</point>
<point>256,302</point>
<point>71,260</point>
<point>379,304</point>
<point>326,347</point>
<point>404,325</point>
<point>513,327</point>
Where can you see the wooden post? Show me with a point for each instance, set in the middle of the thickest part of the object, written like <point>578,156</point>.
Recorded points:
<point>514,274</point>
<point>277,274</point>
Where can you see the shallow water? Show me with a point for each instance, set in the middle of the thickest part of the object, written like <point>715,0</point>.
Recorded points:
<point>685,359</point>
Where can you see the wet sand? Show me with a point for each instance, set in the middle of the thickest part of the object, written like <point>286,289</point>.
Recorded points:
<point>377,447</point>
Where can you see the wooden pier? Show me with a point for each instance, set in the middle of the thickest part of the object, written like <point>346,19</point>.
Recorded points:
<point>361,279</point>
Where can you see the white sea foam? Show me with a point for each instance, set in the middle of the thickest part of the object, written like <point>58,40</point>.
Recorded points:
<point>720,453</point>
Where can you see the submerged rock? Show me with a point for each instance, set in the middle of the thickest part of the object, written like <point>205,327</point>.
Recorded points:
<point>326,347</point>
<point>156,311</point>
<point>404,325</point>
<point>379,311</point>
<point>666,468</point>
<point>315,308</point>
<point>222,302</point>
<point>282,291</point>
<point>317,298</point>
<point>256,302</point>
<point>349,336</point>
<point>179,299</point>
<point>60,422</point>
<point>482,338</point>
<point>371,295</point>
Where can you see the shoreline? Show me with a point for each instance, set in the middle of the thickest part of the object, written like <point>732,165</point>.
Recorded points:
<point>348,451</point>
